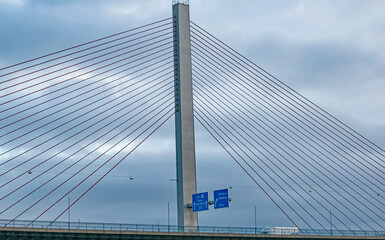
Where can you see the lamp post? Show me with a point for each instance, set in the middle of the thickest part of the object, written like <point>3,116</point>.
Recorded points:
<point>168,216</point>
<point>255,218</point>
<point>69,213</point>
<point>330,220</point>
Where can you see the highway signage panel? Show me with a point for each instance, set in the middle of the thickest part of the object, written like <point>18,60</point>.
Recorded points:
<point>221,198</point>
<point>200,201</point>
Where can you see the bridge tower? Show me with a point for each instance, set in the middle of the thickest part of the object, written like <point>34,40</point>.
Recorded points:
<point>184,119</point>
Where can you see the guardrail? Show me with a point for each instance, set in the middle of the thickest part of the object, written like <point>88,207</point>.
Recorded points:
<point>173,228</point>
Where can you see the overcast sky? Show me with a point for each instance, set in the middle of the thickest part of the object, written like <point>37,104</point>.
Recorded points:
<point>331,51</point>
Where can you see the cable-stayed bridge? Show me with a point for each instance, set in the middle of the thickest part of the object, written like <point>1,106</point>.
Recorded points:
<point>80,112</point>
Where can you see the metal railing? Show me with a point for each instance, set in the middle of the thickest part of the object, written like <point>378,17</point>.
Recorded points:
<point>173,228</point>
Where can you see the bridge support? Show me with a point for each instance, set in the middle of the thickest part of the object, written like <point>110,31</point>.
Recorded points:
<point>184,119</point>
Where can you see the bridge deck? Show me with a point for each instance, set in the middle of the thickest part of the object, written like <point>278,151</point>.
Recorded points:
<point>37,233</point>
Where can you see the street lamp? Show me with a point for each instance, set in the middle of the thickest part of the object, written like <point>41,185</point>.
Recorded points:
<point>255,218</point>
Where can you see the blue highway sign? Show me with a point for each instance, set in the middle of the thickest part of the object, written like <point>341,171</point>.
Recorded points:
<point>200,201</point>
<point>221,198</point>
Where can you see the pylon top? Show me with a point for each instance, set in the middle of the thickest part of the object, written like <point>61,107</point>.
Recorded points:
<point>185,2</point>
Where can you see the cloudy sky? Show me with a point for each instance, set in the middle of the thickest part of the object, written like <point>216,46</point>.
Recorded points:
<point>330,51</point>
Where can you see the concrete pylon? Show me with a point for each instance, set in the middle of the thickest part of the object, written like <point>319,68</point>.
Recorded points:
<point>184,118</point>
